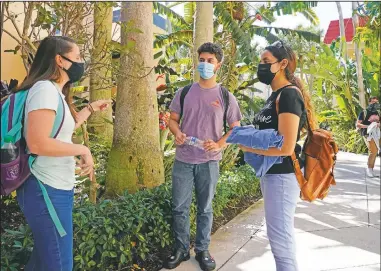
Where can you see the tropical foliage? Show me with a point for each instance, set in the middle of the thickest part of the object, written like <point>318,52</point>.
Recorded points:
<point>132,230</point>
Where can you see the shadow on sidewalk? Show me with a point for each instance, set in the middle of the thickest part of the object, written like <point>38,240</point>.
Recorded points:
<point>348,219</point>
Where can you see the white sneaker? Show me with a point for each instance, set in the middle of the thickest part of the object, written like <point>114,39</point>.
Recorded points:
<point>370,173</point>
<point>375,174</point>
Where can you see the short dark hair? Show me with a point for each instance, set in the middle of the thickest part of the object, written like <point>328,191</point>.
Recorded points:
<point>373,98</point>
<point>212,48</point>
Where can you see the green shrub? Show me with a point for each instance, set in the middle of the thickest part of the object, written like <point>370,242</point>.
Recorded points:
<point>349,140</point>
<point>344,132</point>
<point>131,229</point>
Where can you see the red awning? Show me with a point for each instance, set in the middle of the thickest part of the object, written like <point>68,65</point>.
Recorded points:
<point>333,31</point>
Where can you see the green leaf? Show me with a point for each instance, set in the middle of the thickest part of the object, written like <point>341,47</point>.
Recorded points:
<point>17,244</point>
<point>158,54</point>
<point>112,254</point>
<point>159,69</point>
<point>265,31</point>
<point>122,258</point>
<point>189,10</point>
<point>140,237</point>
<point>230,25</point>
<point>246,84</point>
<point>13,232</point>
<point>175,18</point>
<point>182,37</point>
<point>108,121</point>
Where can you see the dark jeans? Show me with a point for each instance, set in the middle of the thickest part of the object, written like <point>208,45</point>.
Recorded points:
<point>50,252</point>
<point>204,177</point>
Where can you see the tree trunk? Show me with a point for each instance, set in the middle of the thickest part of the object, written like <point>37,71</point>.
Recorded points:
<point>2,19</point>
<point>93,181</point>
<point>100,78</point>
<point>301,63</point>
<point>203,30</point>
<point>136,160</point>
<point>343,40</point>
<point>360,79</point>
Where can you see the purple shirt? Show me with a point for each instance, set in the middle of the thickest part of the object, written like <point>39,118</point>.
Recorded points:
<point>203,117</point>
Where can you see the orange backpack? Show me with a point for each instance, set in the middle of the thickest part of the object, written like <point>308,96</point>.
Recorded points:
<point>319,151</point>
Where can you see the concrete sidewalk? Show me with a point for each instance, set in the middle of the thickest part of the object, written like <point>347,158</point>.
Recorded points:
<point>340,233</point>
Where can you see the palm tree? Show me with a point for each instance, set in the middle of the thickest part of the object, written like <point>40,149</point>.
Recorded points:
<point>136,160</point>
<point>238,30</point>
<point>203,29</point>
<point>360,78</point>
<point>343,41</point>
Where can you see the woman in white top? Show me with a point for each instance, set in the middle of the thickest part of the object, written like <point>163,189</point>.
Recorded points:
<point>57,64</point>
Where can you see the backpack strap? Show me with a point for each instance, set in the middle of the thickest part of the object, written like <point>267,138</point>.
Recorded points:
<point>60,117</point>
<point>225,97</point>
<point>57,126</point>
<point>364,112</point>
<point>295,162</point>
<point>184,93</point>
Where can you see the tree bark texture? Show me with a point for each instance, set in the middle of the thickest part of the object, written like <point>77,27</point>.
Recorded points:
<point>136,160</point>
<point>203,30</point>
<point>360,78</point>
<point>100,78</point>
<point>343,40</point>
<point>93,181</point>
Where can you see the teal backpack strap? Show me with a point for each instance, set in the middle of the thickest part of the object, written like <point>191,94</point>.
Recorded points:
<point>52,211</point>
<point>60,117</point>
<point>58,122</point>
<point>15,129</point>
<point>12,111</point>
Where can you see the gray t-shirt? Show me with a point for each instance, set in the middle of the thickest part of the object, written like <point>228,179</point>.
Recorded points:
<point>203,117</point>
<point>57,172</point>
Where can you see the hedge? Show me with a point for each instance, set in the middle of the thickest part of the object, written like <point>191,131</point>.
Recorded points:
<point>130,231</point>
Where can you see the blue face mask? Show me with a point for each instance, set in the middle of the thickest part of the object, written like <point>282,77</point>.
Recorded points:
<point>206,70</point>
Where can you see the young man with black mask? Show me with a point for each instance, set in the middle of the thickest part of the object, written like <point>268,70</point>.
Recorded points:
<point>203,116</point>
<point>365,118</point>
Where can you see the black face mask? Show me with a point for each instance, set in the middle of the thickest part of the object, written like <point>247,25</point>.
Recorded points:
<point>264,73</point>
<point>373,107</point>
<point>75,71</point>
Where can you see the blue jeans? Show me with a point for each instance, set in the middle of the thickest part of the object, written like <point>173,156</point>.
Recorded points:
<point>50,252</point>
<point>280,193</point>
<point>204,177</point>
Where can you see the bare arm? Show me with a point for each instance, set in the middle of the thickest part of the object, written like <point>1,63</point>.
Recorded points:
<point>174,127</point>
<point>360,125</point>
<point>85,113</point>
<point>174,121</point>
<point>288,127</point>
<point>222,142</point>
<point>39,141</point>
<point>82,116</point>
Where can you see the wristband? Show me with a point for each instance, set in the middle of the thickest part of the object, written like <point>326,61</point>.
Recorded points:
<point>91,109</point>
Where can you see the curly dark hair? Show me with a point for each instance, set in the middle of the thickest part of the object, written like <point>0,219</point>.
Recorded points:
<point>212,48</point>
<point>373,98</point>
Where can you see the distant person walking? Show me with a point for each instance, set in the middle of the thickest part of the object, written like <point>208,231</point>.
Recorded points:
<point>365,119</point>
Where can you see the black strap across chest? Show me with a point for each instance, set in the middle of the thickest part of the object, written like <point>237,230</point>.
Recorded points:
<point>225,97</point>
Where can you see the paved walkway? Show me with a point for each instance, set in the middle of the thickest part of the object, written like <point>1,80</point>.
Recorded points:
<point>340,233</point>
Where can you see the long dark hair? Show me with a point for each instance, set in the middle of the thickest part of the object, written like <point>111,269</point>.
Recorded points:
<point>44,66</point>
<point>285,52</point>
